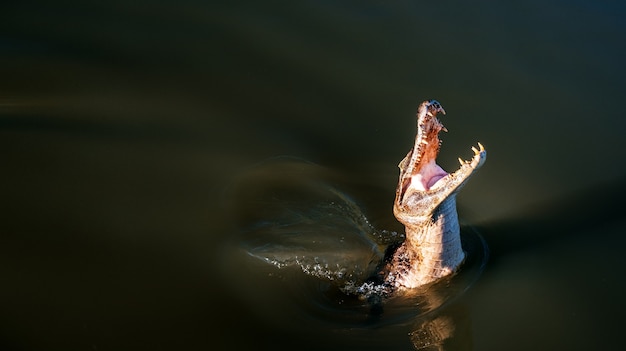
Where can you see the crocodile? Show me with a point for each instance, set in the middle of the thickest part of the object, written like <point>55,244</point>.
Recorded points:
<point>425,203</point>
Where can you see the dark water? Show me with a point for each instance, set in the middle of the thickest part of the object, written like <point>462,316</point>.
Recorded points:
<point>127,129</point>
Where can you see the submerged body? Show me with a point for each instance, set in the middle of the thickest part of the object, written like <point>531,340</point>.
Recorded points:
<point>426,204</point>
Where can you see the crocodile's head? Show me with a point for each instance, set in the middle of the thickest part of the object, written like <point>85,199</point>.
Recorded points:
<point>423,185</point>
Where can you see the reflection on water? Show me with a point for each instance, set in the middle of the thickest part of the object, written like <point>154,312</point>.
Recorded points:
<point>295,226</point>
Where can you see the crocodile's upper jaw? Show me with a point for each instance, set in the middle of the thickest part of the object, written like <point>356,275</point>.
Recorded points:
<point>423,185</point>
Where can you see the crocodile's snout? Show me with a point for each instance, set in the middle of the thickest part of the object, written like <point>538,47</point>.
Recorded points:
<point>434,107</point>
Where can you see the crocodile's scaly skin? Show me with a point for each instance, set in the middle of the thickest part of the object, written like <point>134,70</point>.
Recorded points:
<point>426,204</point>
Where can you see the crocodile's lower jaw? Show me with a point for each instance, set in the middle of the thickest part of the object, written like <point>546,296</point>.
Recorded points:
<point>426,204</point>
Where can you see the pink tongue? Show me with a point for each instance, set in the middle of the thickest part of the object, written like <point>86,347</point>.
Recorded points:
<point>435,179</point>
<point>429,176</point>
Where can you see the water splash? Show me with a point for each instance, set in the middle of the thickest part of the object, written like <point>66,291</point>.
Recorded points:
<point>295,218</point>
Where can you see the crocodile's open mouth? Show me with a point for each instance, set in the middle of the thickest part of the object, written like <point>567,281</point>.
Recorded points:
<point>419,171</point>
<point>426,205</point>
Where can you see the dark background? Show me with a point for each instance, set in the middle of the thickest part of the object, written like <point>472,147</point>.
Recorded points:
<point>122,125</point>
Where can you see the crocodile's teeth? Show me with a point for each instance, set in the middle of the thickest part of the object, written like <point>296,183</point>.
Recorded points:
<point>475,150</point>
<point>481,147</point>
<point>461,161</point>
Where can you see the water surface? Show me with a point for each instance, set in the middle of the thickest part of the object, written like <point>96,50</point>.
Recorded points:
<point>125,128</point>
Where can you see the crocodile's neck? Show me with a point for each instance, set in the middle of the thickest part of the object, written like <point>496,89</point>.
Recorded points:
<point>430,251</point>
<point>426,204</point>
